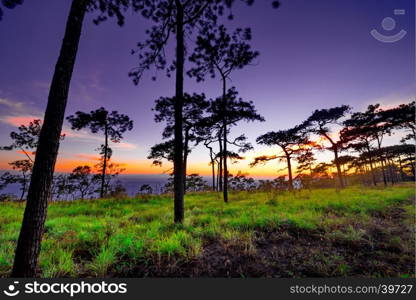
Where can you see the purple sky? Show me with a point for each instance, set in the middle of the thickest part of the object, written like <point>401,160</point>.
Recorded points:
<point>314,54</point>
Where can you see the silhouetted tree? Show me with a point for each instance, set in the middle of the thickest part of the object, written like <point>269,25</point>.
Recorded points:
<point>409,159</point>
<point>370,126</point>
<point>26,139</point>
<point>402,117</point>
<point>179,18</point>
<point>305,161</point>
<point>233,157</point>
<point>321,169</point>
<point>145,189</point>
<point>83,180</point>
<point>278,183</point>
<point>377,128</point>
<point>161,151</point>
<point>291,142</point>
<point>63,187</point>
<point>403,156</point>
<point>393,171</point>
<point>111,173</point>
<point>112,125</point>
<point>5,179</point>
<point>24,166</point>
<point>208,133</point>
<point>172,17</point>
<point>28,244</point>
<point>241,182</point>
<point>196,183</point>
<point>118,191</point>
<point>234,111</point>
<point>359,138</point>
<point>345,161</point>
<point>319,123</point>
<point>207,137</point>
<point>194,107</point>
<point>218,52</point>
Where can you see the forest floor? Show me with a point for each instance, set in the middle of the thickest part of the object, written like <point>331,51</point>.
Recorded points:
<point>366,232</point>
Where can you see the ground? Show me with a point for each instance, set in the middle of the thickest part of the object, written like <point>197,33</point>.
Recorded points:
<point>358,231</point>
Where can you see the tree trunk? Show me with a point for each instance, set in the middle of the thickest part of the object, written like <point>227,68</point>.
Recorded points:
<point>103,172</point>
<point>391,171</point>
<point>218,178</point>
<point>23,188</point>
<point>341,181</point>
<point>178,181</point>
<point>224,124</point>
<point>371,164</point>
<point>383,171</point>
<point>220,171</point>
<point>412,166</point>
<point>372,172</point>
<point>28,244</point>
<point>344,175</point>
<point>185,159</point>
<point>289,168</point>
<point>212,168</point>
<point>401,169</point>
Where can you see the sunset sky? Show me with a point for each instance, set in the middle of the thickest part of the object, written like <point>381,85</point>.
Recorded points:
<point>313,54</point>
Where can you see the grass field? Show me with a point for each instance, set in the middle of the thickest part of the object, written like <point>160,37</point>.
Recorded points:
<point>353,232</point>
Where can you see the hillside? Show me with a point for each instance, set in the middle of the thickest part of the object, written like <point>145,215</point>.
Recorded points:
<point>353,232</point>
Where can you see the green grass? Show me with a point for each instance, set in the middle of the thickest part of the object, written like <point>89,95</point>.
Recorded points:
<point>94,237</point>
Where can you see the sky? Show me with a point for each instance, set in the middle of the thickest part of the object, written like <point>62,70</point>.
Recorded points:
<point>313,55</point>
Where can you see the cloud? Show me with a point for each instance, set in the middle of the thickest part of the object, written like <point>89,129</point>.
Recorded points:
<point>18,120</point>
<point>41,84</point>
<point>87,156</point>
<point>15,105</point>
<point>18,113</point>
<point>391,100</point>
<point>85,136</point>
<point>124,146</point>
<point>81,135</point>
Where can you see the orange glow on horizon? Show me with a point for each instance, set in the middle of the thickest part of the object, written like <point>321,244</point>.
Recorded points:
<point>143,167</point>
<point>271,169</point>
<point>20,120</point>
